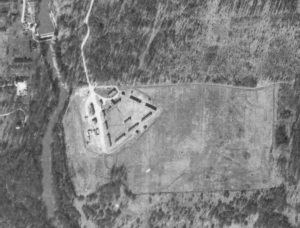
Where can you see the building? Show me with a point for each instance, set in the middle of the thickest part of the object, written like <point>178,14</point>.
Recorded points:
<point>42,25</point>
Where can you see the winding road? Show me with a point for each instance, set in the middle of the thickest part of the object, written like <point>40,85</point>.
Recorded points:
<point>93,97</point>
<point>86,21</point>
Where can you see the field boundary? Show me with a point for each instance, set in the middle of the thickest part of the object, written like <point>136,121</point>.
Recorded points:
<point>207,84</point>
<point>208,191</point>
<point>272,86</point>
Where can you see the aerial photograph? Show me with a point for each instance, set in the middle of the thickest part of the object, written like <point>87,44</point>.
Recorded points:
<point>149,113</point>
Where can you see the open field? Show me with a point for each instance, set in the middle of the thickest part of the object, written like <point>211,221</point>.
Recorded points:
<point>207,138</point>
<point>86,169</point>
<point>122,120</point>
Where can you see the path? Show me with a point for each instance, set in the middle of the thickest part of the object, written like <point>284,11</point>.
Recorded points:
<point>270,84</point>
<point>9,113</point>
<point>23,11</point>
<point>93,97</point>
<point>91,87</point>
<point>86,21</point>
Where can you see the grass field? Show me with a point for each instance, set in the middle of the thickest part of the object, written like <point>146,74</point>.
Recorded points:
<point>208,138</point>
<point>87,168</point>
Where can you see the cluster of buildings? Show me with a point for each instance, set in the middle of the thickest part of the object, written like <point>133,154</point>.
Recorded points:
<point>121,119</point>
<point>16,48</point>
<point>17,52</point>
<point>37,18</point>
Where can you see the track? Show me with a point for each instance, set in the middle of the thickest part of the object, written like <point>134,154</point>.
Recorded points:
<point>86,22</point>
<point>9,113</point>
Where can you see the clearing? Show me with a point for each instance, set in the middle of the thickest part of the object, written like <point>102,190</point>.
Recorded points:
<point>204,138</point>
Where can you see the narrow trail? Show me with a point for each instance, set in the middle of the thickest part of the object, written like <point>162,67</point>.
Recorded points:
<point>208,84</point>
<point>86,21</point>
<point>23,11</point>
<point>93,97</point>
<point>9,113</point>
<point>85,39</point>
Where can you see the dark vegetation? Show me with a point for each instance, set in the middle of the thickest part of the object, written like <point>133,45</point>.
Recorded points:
<point>233,42</point>
<point>21,204</point>
<point>65,215</point>
<point>67,52</point>
<point>68,47</point>
<point>287,132</point>
<point>281,135</point>
<point>21,172</point>
<point>192,208</point>
<point>100,206</point>
<point>294,161</point>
